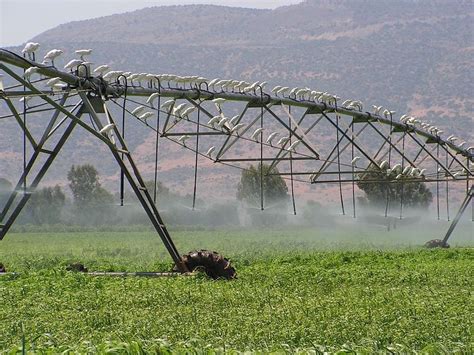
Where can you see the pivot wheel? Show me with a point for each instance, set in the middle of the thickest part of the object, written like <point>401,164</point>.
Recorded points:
<point>436,243</point>
<point>212,263</point>
<point>76,267</point>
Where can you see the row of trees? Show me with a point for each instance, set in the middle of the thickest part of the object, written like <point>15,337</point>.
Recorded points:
<point>49,205</point>
<point>93,205</point>
<point>377,185</point>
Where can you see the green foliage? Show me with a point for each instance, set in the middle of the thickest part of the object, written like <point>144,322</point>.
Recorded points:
<point>91,201</point>
<point>5,190</point>
<point>275,195</point>
<point>85,186</point>
<point>163,193</point>
<point>45,206</point>
<point>286,301</point>
<point>5,185</point>
<point>274,187</point>
<point>414,194</point>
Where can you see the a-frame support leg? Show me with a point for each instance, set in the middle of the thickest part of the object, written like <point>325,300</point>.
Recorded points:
<point>133,176</point>
<point>137,183</point>
<point>456,219</point>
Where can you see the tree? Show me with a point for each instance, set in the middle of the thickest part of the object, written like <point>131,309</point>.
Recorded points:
<point>162,191</point>
<point>5,185</point>
<point>274,187</point>
<point>84,183</point>
<point>5,189</point>
<point>415,194</point>
<point>92,201</point>
<point>45,206</point>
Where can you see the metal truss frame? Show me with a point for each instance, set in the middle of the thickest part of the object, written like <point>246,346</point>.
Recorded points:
<point>257,109</point>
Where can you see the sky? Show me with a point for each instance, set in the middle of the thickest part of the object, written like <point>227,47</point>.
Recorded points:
<point>28,18</point>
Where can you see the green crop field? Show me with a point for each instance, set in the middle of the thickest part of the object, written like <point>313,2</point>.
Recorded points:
<point>313,291</point>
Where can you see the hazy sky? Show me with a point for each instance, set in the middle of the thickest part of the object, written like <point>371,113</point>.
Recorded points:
<point>31,17</point>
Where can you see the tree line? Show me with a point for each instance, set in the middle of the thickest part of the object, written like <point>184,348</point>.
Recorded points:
<point>92,204</point>
<point>49,205</point>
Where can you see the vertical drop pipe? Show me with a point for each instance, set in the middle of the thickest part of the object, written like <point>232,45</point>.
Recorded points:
<point>291,166</point>
<point>388,188</point>
<point>468,187</point>
<point>157,147</point>
<point>402,186</point>
<point>352,167</point>
<point>339,164</point>
<point>196,158</point>
<point>261,155</point>
<point>24,134</point>
<point>447,187</point>
<point>437,180</point>
<point>122,175</point>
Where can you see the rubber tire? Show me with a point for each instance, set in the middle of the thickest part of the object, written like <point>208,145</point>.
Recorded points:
<point>2,268</point>
<point>212,263</point>
<point>76,267</point>
<point>436,243</point>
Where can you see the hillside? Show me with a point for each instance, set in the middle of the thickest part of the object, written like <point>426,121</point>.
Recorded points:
<point>410,56</point>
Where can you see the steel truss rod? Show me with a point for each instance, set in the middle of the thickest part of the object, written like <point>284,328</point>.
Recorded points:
<point>157,135</point>
<point>293,132</point>
<point>223,149</point>
<point>385,181</point>
<point>426,156</point>
<point>385,153</point>
<point>33,82</point>
<point>20,122</point>
<point>168,116</point>
<point>297,126</point>
<point>263,159</point>
<point>331,160</point>
<point>198,106</point>
<point>194,134</point>
<point>32,111</point>
<point>283,152</point>
<point>420,151</point>
<point>350,127</point>
<point>227,144</point>
<point>322,173</point>
<point>454,158</point>
<point>351,141</point>
<point>429,153</point>
<point>391,144</point>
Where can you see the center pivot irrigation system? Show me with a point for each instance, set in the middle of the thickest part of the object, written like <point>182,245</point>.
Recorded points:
<point>309,135</point>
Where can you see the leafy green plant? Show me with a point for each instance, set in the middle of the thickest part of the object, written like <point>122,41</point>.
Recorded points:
<point>292,295</point>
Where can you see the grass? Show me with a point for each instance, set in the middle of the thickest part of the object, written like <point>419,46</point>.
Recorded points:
<point>363,291</point>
